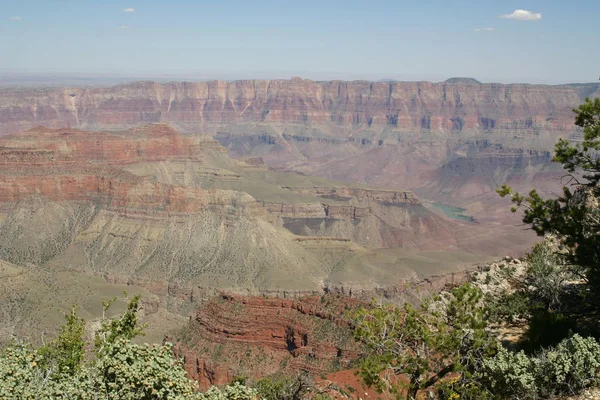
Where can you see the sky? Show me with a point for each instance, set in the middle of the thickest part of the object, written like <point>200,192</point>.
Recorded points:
<point>535,41</point>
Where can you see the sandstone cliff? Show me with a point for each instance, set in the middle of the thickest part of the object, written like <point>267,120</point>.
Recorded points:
<point>242,336</point>
<point>404,135</point>
<point>440,108</point>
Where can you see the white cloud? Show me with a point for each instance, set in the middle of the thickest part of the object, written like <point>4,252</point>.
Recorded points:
<point>129,10</point>
<point>484,29</point>
<point>523,15</point>
<point>124,27</point>
<point>15,18</point>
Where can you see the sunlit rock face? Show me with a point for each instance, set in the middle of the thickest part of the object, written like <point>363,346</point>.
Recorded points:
<point>457,107</point>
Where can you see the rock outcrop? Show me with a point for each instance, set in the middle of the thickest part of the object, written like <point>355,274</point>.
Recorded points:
<point>359,194</point>
<point>254,337</point>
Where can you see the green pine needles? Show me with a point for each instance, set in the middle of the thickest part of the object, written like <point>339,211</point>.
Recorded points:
<point>573,217</point>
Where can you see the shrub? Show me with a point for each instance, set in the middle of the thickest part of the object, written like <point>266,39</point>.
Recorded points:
<point>283,388</point>
<point>441,345</point>
<point>130,371</point>
<point>546,276</point>
<point>116,369</point>
<point>571,366</point>
<point>511,374</point>
<point>124,371</point>
<point>236,391</point>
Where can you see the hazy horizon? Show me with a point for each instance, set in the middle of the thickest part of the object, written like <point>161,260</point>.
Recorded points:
<point>531,41</point>
<point>52,79</point>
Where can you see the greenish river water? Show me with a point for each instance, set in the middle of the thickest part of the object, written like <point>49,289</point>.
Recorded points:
<point>453,212</point>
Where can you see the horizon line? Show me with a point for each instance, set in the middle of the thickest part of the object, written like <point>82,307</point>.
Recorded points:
<point>319,76</point>
<point>53,81</point>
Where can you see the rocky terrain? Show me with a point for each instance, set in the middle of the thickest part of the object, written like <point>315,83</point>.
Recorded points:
<point>396,186</point>
<point>234,336</point>
<point>174,216</point>
<point>451,142</point>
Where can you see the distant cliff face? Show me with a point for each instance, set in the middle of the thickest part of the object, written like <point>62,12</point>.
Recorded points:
<point>446,108</point>
<point>452,142</point>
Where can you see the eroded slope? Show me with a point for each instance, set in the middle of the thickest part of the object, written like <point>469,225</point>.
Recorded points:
<point>173,214</point>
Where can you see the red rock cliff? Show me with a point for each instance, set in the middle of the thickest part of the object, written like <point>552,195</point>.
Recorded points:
<point>251,336</point>
<point>442,108</point>
<point>65,164</point>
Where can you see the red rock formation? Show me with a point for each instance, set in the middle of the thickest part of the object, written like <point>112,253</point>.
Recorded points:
<point>461,107</point>
<point>65,164</point>
<point>259,336</point>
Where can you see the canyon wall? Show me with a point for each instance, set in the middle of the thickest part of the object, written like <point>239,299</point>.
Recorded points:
<point>255,337</point>
<point>174,214</point>
<point>460,107</point>
<point>402,135</point>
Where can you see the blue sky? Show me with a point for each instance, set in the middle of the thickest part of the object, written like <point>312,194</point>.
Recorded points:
<point>326,39</point>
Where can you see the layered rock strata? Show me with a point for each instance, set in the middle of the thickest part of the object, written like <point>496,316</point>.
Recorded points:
<point>151,207</point>
<point>233,336</point>
<point>446,107</point>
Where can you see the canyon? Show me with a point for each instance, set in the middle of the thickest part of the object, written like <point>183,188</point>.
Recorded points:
<point>453,141</point>
<point>247,213</point>
<point>175,217</point>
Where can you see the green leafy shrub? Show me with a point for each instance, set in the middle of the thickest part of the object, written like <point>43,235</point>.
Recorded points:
<point>130,371</point>
<point>510,307</point>
<point>541,287</point>
<point>511,374</point>
<point>571,366</point>
<point>115,369</point>
<point>546,276</point>
<point>236,391</point>
<point>440,346</point>
<point>283,387</point>
<point>65,354</point>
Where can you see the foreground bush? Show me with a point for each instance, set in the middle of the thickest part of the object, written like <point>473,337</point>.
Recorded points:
<point>574,364</point>
<point>236,391</point>
<point>114,369</point>
<point>438,347</point>
<point>283,387</point>
<point>124,371</point>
